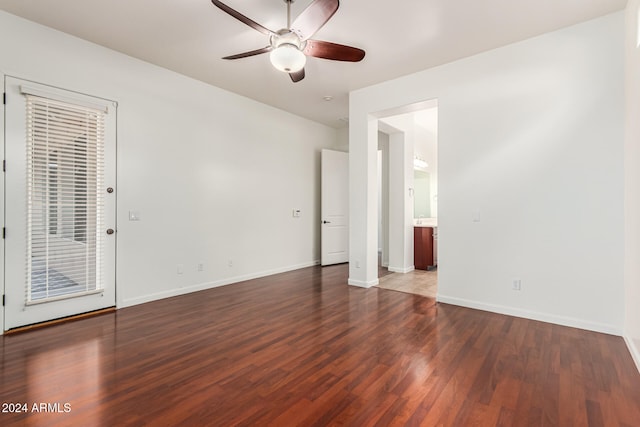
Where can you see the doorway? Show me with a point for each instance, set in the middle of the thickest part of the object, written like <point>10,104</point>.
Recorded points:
<point>334,206</point>
<point>60,203</point>
<point>419,127</point>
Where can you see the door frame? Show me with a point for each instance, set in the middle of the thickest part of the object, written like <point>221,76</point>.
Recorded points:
<point>2,207</point>
<point>110,215</point>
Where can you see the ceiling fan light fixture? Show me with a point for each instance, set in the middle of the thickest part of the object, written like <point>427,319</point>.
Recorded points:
<point>288,58</point>
<point>418,163</point>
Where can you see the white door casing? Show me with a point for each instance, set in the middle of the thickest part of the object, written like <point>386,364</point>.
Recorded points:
<point>25,303</point>
<point>334,207</point>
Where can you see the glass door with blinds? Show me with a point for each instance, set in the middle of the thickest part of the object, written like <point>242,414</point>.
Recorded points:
<point>60,203</point>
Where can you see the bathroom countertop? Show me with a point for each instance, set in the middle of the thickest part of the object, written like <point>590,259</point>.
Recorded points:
<point>425,222</point>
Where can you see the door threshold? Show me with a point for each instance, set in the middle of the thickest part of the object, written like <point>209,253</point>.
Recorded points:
<point>60,321</point>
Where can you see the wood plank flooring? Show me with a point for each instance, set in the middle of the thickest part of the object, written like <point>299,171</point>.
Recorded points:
<point>303,348</point>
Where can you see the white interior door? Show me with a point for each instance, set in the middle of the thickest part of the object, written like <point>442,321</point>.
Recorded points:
<point>335,207</point>
<point>60,203</point>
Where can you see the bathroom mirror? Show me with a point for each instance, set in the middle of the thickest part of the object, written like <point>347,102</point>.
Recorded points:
<point>422,194</point>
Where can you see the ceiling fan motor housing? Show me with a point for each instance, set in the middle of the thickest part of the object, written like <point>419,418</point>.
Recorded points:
<point>286,36</point>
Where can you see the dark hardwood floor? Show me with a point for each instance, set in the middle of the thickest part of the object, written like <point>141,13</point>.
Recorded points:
<point>303,348</point>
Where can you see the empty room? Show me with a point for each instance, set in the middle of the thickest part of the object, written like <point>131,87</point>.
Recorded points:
<point>202,198</point>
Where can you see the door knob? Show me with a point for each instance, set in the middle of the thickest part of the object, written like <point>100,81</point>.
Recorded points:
<point>110,190</point>
<point>110,231</point>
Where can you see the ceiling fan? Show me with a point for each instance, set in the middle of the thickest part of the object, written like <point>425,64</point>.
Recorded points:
<point>290,46</point>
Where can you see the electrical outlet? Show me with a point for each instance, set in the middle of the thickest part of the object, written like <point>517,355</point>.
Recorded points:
<point>180,268</point>
<point>516,285</point>
<point>230,263</point>
<point>200,267</point>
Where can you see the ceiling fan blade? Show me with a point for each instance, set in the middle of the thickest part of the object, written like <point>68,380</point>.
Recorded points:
<point>314,17</point>
<point>334,51</point>
<point>240,17</point>
<point>250,53</point>
<point>297,76</point>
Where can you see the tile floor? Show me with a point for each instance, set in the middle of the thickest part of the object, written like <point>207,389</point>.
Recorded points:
<point>419,282</point>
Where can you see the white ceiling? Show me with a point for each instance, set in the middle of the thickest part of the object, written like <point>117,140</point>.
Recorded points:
<point>400,38</point>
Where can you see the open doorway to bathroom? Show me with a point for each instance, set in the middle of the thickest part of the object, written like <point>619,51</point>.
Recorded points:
<point>420,128</point>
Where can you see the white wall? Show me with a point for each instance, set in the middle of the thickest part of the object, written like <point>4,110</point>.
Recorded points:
<point>215,176</point>
<point>531,136</point>
<point>342,139</point>
<point>632,181</point>
<point>401,201</point>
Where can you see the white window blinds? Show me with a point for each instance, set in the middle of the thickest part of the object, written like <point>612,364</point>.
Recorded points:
<point>65,172</point>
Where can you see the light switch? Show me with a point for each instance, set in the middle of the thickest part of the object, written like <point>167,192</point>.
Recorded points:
<point>134,216</point>
<point>296,213</point>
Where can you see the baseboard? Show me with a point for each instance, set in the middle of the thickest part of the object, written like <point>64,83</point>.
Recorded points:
<point>60,321</point>
<point>362,283</point>
<point>401,269</point>
<point>533,315</point>
<point>209,285</point>
<point>632,345</point>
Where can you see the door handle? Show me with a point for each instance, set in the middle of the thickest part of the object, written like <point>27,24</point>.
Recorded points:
<point>110,231</point>
<point>326,222</point>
